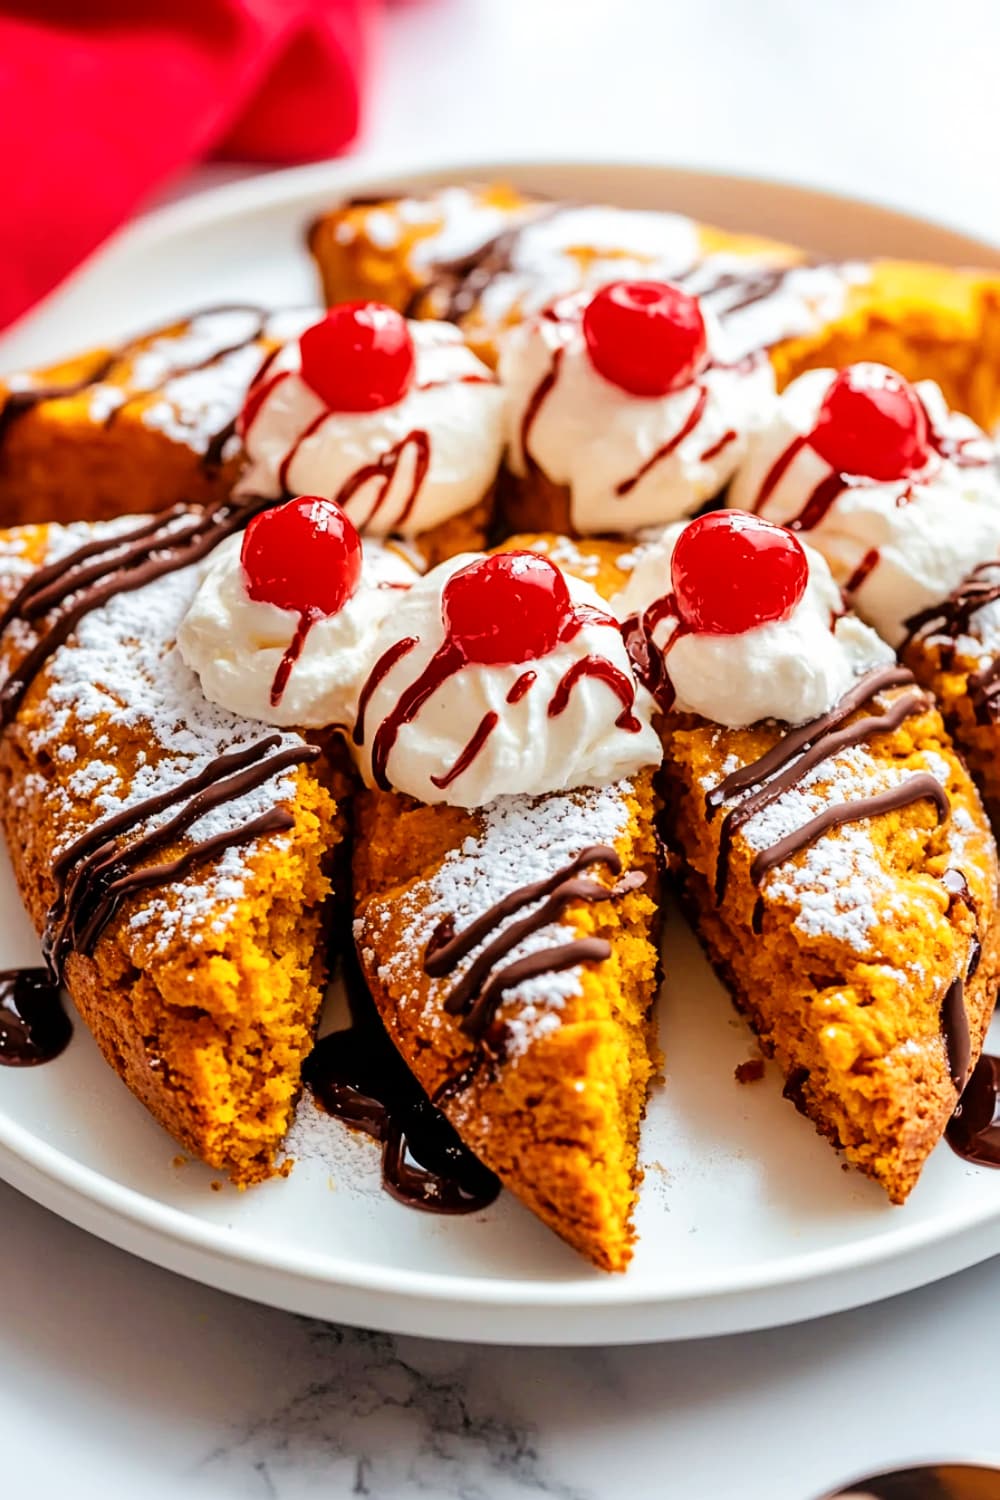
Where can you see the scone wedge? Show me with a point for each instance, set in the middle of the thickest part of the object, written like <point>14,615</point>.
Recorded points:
<point>176,858</point>
<point>544,1076</point>
<point>486,255</point>
<point>512,952</point>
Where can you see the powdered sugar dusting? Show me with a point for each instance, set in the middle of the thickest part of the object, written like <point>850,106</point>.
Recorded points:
<point>522,840</point>
<point>840,885</point>
<point>122,671</point>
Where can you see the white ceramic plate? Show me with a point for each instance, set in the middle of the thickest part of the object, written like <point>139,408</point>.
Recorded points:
<point>747,1218</point>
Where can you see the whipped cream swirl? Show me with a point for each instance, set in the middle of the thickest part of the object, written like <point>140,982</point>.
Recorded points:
<point>237,645</point>
<point>791,670</point>
<point>630,462</point>
<point>573,717</point>
<point>403,468</point>
<point>898,546</point>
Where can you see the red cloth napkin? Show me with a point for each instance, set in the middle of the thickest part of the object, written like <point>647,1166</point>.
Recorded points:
<point>103,101</point>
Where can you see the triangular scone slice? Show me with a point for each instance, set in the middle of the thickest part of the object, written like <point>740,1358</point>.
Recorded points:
<point>201,989</point>
<point>867,960</point>
<point>139,426</point>
<point>547,1085</point>
<point>487,255</point>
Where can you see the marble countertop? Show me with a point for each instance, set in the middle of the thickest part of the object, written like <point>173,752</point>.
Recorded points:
<point>119,1380</point>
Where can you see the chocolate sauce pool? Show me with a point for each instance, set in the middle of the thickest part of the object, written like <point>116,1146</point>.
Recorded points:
<point>358,1076</point>
<point>974,1129</point>
<point>34,1028</point>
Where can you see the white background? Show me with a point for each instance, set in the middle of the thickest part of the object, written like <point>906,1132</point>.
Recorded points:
<point>118,1380</point>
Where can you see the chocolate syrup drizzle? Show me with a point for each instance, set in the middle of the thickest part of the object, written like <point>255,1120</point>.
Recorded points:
<point>34,1028</point>
<point>101,869</point>
<point>778,771</point>
<point>973,1132</point>
<point>17,403</point>
<point>358,1076</point>
<point>951,619</point>
<point>107,864</point>
<point>74,585</point>
<point>477,996</point>
<point>457,285</point>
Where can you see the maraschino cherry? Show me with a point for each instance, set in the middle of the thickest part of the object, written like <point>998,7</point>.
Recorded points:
<point>647,337</point>
<point>359,357</point>
<point>304,556</point>
<point>872,424</point>
<point>506,609</point>
<point>732,572</point>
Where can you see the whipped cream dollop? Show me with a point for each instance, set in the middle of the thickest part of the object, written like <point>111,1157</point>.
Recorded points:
<point>469,734</point>
<point>402,468</point>
<point>791,669</point>
<point>896,546</point>
<point>237,644</point>
<point>630,462</point>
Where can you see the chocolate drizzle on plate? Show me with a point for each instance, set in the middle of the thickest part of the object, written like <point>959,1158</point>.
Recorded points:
<point>478,994</point>
<point>973,1132</point>
<point>17,403</point>
<point>34,1027</point>
<point>358,1076</point>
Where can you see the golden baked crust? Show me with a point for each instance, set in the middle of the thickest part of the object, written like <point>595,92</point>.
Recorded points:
<point>950,670</point>
<point>558,1090</point>
<point>850,1008</point>
<point>141,427</point>
<point>202,992</point>
<point>927,321</point>
<point>124,437</point>
<point>555,1105</point>
<point>859,939</point>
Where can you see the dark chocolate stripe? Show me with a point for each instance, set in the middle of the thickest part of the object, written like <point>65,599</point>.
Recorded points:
<point>951,616</point>
<point>566,894</point>
<point>109,872</point>
<point>957,1037</point>
<point>532,966</point>
<point>922,784</point>
<point>805,735</point>
<point>17,403</point>
<point>147,556</point>
<point>837,740</point>
<point>445,953</point>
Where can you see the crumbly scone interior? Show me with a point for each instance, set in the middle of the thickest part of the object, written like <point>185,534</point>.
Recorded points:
<point>202,992</point>
<point>846,979</point>
<point>557,1115</point>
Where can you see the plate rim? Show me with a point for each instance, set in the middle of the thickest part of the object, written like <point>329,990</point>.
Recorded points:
<point>44,1171</point>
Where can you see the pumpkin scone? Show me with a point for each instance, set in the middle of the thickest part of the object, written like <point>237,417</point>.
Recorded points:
<point>137,427</point>
<point>826,840</point>
<point>902,497</point>
<point>176,857</point>
<point>487,256</point>
<point>504,856</point>
<point>506,880</point>
<point>399,422</point>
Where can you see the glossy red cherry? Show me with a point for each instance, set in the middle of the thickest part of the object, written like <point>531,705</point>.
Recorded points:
<point>732,572</point>
<point>506,609</point>
<point>360,357</point>
<point>304,556</point>
<point>872,423</point>
<point>647,337</point>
